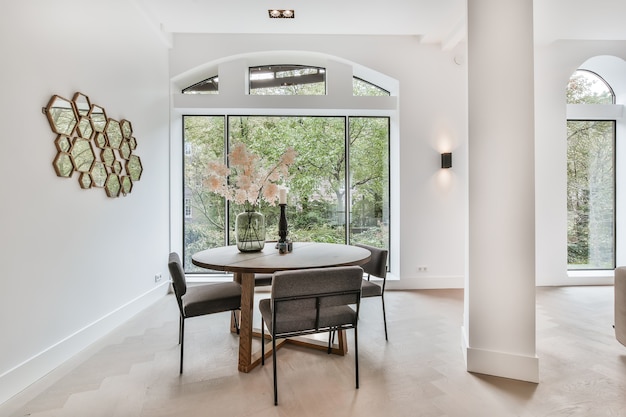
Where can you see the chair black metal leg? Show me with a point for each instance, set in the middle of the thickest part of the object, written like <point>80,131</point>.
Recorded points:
<point>274,365</point>
<point>330,341</point>
<point>356,356</point>
<point>236,321</point>
<point>262,342</point>
<point>180,330</point>
<point>382,297</point>
<point>182,342</point>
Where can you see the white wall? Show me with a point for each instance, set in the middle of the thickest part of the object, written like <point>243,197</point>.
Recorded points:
<point>76,263</point>
<point>554,65</point>
<point>431,207</point>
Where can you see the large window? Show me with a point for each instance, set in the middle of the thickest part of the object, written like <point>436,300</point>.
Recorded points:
<point>590,178</point>
<point>338,190</point>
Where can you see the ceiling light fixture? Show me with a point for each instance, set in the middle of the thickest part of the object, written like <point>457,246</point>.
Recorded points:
<point>281,14</point>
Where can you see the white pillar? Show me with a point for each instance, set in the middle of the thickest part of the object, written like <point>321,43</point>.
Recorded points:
<point>499,321</point>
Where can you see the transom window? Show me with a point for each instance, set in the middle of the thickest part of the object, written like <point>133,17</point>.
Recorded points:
<point>208,86</point>
<point>361,87</point>
<point>282,80</point>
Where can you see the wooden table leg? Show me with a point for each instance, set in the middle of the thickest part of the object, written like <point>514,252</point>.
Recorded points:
<point>245,329</point>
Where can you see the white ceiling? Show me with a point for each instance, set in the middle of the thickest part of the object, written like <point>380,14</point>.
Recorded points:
<point>433,21</point>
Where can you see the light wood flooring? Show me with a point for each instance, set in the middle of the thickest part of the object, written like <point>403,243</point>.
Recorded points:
<point>420,372</point>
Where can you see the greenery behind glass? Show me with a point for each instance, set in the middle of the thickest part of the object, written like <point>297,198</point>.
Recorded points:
<point>590,179</point>
<point>317,199</point>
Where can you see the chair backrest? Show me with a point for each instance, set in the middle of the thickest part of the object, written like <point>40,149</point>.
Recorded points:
<point>178,278</point>
<point>304,299</point>
<point>377,265</point>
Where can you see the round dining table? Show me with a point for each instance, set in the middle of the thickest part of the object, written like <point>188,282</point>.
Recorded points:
<point>243,265</point>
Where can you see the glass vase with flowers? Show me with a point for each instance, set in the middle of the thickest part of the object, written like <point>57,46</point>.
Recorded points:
<point>247,181</point>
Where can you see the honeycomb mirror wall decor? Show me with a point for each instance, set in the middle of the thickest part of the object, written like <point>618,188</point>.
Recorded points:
<point>100,149</point>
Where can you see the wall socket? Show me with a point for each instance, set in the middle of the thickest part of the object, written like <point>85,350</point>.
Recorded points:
<point>422,268</point>
<point>157,277</point>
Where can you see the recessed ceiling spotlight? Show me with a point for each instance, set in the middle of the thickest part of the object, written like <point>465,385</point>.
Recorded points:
<point>281,14</point>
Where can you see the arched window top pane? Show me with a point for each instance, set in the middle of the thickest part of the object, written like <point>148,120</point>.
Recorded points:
<point>285,80</point>
<point>587,87</point>
<point>208,86</point>
<point>361,87</point>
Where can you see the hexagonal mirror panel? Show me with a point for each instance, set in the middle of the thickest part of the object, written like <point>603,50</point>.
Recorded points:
<point>112,185</point>
<point>85,180</point>
<point>127,185</point>
<point>63,165</point>
<point>114,133</point>
<point>82,155</point>
<point>124,149</point>
<point>117,167</point>
<point>61,116</point>
<point>134,168</point>
<point>98,118</point>
<point>99,174</point>
<point>100,140</point>
<point>81,104</point>
<point>127,128</point>
<point>84,128</point>
<point>63,143</point>
<point>107,156</point>
<point>81,128</point>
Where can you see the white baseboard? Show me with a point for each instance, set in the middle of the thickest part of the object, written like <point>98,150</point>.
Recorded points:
<point>500,364</point>
<point>425,283</point>
<point>21,376</point>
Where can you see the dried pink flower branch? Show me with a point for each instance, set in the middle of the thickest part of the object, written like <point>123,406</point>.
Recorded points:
<point>247,180</point>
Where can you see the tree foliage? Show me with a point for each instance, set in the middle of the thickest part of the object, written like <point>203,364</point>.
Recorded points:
<point>318,191</point>
<point>590,174</point>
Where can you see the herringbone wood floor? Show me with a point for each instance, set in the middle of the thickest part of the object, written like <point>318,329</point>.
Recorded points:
<point>419,372</point>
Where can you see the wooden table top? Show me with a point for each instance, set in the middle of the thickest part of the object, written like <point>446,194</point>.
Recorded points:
<point>305,255</point>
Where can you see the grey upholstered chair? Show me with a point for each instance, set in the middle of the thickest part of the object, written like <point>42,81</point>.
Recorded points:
<point>312,301</point>
<point>199,300</point>
<point>620,304</point>
<point>376,267</point>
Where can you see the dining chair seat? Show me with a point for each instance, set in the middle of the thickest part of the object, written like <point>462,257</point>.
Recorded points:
<point>201,299</point>
<point>369,289</point>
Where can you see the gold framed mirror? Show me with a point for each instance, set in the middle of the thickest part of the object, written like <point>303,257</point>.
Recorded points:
<point>89,142</point>
<point>112,185</point>
<point>61,116</point>
<point>63,165</point>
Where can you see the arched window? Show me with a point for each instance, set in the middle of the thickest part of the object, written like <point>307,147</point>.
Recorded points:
<point>590,175</point>
<point>361,87</point>
<point>339,188</point>
<point>587,87</point>
<point>208,86</point>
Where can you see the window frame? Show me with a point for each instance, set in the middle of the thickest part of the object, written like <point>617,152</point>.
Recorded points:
<point>348,202</point>
<point>592,112</point>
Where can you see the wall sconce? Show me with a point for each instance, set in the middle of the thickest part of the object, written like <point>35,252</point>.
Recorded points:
<point>446,160</point>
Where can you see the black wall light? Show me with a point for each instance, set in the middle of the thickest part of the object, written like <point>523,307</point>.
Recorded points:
<point>446,160</point>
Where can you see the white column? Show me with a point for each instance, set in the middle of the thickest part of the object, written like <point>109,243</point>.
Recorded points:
<point>499,322</point>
